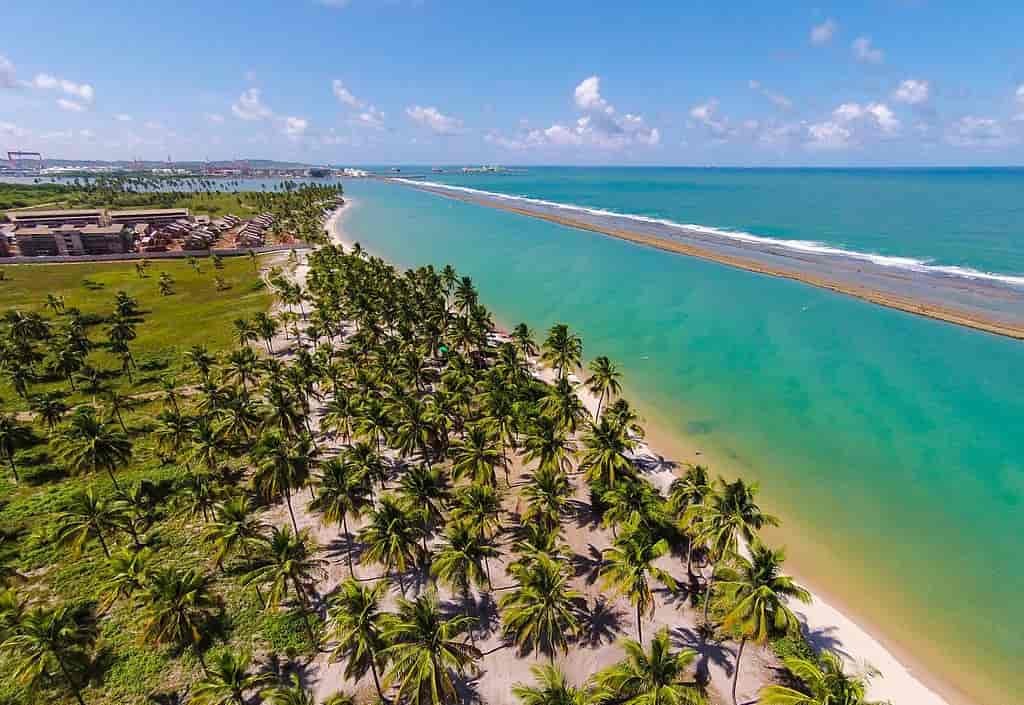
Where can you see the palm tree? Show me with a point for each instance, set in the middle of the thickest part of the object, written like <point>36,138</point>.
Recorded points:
<point>522,336</point>
<point>49,408</point>
<point>548,496</point>
<point>129,572</point>
<point>86,443</point>
<point>629,569</point>
<point>287,565</point>
<point>391,537</point>
<point>283,467</point>
<point>755,597</point>
<point>563,405</point>
<point>731,515</point>
<point>460,559</point>
<point>691,490</point>
<point>541,613</point>
<point>51,644</point>
<point>605,446</point>
<point>88,516</point>
<point>267,328</point>
<point>235,529</point>
<point>655,677</point>
<point>603,381</point>
<point>551,687</point>
<point>177,607</point>
<point>548,444</point>
<point>356,623</point>
<point>292,693</point>
<point>341,492</point>
<point>427,493</point>
<point>824,681</point>
<point>13,436</point>
<point>228,680</point>
<point>425,652</point>
<point>562,349</point>
<point>477,455</point>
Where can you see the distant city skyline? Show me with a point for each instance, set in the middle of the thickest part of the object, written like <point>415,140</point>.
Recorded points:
<point>398,81</point>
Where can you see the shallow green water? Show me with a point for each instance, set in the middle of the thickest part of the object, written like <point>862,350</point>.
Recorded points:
<point>890,444</point>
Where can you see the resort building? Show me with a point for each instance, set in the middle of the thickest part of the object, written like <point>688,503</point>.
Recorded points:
<point>55,218</point>
<point>156,217</point>
<point>70,240</point>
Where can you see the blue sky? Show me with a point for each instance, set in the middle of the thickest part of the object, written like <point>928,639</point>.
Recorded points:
<point>445,81</point>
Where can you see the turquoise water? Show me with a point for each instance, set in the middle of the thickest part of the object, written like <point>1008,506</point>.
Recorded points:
<point>890,444</point>
<point>971,218</point>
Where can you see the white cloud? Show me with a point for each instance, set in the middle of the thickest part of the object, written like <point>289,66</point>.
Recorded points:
<point>123,117</point>
<point>823,33</point>
<point>777,98</point>
<point>9,129</point>
<point>878,114</point>
<point>371,117</point>
<point>437,121</point>
<point>7,74</point>
<point>707,115</point>
<point>973,131</point>
<point>86,134</point>
<point>70,105</point>
<point>215,118</point>
<point>295,127</point>
<point>344,95</point>
<point>249,106</point>
<point>912,91</point>
<point>80,91</point>
<point>153,125</point>
<point>865,52</point>
<point>588,96</point>
<point>828,135</point>
<point>367,115</point>
<point>1019,96</point>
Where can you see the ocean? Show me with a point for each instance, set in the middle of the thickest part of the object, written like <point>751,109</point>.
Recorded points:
<point>890,444</point>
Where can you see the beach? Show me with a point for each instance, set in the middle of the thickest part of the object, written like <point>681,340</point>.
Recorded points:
<point>901,679</point>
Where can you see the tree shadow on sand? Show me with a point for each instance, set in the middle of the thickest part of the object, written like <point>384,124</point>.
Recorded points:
<point>823,638</point>
<point>600,623</point>
<point>708,652</point>
<point>653,462</point>
<point>587,566</point>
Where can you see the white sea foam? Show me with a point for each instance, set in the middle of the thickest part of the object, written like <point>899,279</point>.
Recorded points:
<point>808,246</point>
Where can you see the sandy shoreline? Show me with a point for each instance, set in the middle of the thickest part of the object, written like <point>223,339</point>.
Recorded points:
<point>917,307</point>
<point>903,681</point>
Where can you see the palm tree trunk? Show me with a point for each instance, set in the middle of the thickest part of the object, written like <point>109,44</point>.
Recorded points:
<point>14,468</point>
<point>376,678</point>
<point>736,670</point>
<point>103,543</point>
<point>639,625</point>
<point>600,401</point>
<point>71,681</point>
<point>114,480</point>
<point>288,499</point>
<point>707,594</point>
<point>348,545</point>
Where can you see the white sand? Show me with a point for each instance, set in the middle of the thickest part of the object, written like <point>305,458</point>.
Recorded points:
<point>500,669</point>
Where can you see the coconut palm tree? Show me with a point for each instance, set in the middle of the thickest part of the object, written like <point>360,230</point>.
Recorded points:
<point>342,492</point>
<point>542,612</point>
<point>561,403</point>
<point>550,687</point>
<point>562,349</point>
<point>548,444</point>
<point>522,336</point>
<point>605,448</point>
<point>86,444</point>
<point>477,455</point>
<point>655,677</point>
<point>283,467</point>
<point>425,651</point>
<point>480,505</point>
<point>629,570</point>
<point>460,561</point>
<point>548,495</point>
<point>691,490</point>
<point>731,515</point>
<point>391,537</point>
<point>228,680</point>
<point>427,492</point>
<point>356,623</point>
<point>49,408</point>
<point>177,606</point>
<point>13,435</point>
<point>287,564</point>
<point>88,516</point>
<point>603,381</point>
<point>755,598</point>
<point>129,571</point>
<point>51,644</point>
<point>825,683</point>
<point>235,529</point>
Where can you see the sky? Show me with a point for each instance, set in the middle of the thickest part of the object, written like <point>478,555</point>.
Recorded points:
<point>354,82</point>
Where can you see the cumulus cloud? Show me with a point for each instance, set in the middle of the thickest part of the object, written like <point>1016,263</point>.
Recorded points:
<point>434,119</point>
<point>366,114</point>
<point>82,92</point>
<point>776,98</point>
<point>912,92</point>
<point>344,95</point>
<point>70,105</point>
<point>7,74</point>
<point>598,126</point>
<point>1019,96</point>
<point>877,114</point>
<point>9,129</point>
<point>973,131</point>
<point>706,114</point>
<point>823,33</point>
<point>295,127</point>
<point>215,118</point>
<point>250,106</point>
<point>123,117</point>
<point>828,135</point>
<point>865,52</point>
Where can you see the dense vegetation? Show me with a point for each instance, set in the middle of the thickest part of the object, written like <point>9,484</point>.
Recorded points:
<point>296,208</point>
<point>165,551</point>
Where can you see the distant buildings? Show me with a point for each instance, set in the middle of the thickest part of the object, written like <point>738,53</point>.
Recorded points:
<point>154,217</point>
<point>73,240</point>
<point>56,218</point>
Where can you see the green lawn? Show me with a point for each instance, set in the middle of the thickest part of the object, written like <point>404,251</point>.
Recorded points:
<point>195,314</point>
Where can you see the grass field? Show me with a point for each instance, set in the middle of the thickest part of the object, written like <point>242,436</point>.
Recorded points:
<point>197,313</point>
